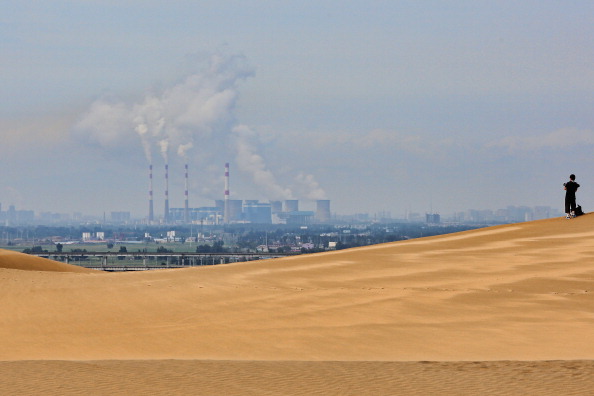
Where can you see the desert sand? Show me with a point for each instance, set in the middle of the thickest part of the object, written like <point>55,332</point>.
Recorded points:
<point>500,310</point>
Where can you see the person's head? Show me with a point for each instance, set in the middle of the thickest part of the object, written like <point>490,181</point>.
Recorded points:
<point>572,177</point>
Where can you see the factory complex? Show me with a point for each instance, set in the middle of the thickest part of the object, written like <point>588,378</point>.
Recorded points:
<point>234,211</point>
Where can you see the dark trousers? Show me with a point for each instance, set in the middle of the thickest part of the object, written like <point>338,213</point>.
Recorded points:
<point>569,203</point>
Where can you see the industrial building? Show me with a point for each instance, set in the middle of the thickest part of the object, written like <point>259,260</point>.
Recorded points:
<point>255,212</point>
<point>323,211</point>
<point>291,205</point>
<point>228,211</point>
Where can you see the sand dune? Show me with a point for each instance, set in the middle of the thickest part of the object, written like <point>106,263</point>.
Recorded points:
<point>521,292</point>
<point>21,261</point>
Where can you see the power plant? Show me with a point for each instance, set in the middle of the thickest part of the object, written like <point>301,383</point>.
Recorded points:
<point>229,211</point>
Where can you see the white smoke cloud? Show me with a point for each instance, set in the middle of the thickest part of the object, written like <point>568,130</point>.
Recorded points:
<point>249,161</point>
<point>142,130</point>
<point>107,123</point>
<point>183,148</point>
<point>164,145</point>
<point>149,120</point>
<point>199,107</point>
<point>309,188</point>
<point>193,118</point>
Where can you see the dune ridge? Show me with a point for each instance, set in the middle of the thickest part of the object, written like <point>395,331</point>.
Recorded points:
<point>518,292</point>
<point>21,261</point>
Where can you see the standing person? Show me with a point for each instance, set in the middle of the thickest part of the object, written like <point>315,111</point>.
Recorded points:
<point>570,188</point>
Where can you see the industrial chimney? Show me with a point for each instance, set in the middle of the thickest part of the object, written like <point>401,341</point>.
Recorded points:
<point>151,216</point>
<point>166,216</point>
<point>186,206</point>
<point>226,208</point>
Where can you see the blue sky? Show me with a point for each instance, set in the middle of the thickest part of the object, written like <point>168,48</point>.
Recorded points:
<point>377,105</point>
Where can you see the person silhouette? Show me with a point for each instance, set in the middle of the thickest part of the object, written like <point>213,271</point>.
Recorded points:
<point>570,188</point>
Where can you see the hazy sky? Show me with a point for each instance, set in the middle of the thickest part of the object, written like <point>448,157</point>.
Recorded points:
<point>376,105</point>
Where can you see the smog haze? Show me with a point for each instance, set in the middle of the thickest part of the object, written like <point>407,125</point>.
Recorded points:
<point>375,105</point>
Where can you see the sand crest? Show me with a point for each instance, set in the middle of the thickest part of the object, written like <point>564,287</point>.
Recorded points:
<point>21,261</point>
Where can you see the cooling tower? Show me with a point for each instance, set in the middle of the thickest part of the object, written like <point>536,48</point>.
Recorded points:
<point>277,206</point>
<point>291,205</point>
<point>323,211</point>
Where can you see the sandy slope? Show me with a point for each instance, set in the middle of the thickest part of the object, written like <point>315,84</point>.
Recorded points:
<point>15,260</point>
<point>523,291</point>
<point>513,292</point>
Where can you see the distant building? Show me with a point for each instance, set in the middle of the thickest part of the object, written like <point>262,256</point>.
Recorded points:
<point>297,217</point>
<point>255,212</point>
<point>205,214</point>
<point>276,206</point>
<point>432,218</point>
<point>291,205</point>
<point>235,208</point>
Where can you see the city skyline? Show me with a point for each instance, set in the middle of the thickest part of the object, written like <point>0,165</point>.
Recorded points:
<point>13,216</point>
<point>381,106</point>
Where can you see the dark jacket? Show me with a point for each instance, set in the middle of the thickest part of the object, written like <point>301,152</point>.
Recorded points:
<point>570,188</point>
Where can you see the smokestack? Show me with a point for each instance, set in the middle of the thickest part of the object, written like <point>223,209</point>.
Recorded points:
<point>226,209</point>
<point>186,206</point>
<point>151,216</point>
<point>166,216</point>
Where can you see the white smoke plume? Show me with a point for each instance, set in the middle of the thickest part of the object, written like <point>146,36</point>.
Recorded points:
<point>107,124</point>
<point>149,120</point>
<point>193,118</point>
<point>199,107</point>
<point>142,130</point>
<point>164,145</point>
<point>308,187</point>
<point>183,148</point>
<point>250,161</point>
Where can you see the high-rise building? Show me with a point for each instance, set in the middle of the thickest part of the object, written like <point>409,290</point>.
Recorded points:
<point>432,218</point>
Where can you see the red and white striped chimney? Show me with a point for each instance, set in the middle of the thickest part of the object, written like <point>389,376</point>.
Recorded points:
<point>151,215</point>
<point>186,205</point>
<point>166,216</point>
<point>226,208</point>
